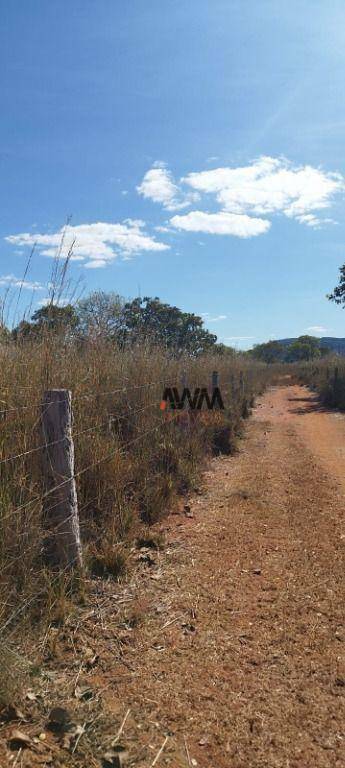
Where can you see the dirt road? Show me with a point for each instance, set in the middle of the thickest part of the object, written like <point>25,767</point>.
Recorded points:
<point>248,666</point>
<point>227,646</point>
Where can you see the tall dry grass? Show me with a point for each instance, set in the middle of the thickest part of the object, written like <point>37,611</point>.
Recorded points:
<point>327,378</point>
<point>137,459</point>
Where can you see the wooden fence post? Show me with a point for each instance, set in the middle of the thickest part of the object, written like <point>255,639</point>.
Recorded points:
<point>184,379</point>
<point>186,416</point>
<point>242,383</point>
<point>63,545</point>
<point>215,385</point>
<point>215,379</point>
<point>233,388</point>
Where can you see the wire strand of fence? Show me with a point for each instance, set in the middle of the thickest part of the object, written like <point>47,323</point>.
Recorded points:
<point>67,568</point>
<point>75,475</point>
<point>34,597</point>
<point>48,445</point>
<point>89,395</point>
<point>43,446</point>
<point>118,389</point>
<point>118,450</point>
<point>28,602</point>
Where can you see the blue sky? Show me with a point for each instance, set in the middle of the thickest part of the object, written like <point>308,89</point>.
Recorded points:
<point>198,146</point>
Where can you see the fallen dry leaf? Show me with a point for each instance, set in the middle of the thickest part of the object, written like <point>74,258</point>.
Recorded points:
<point>19,740</point>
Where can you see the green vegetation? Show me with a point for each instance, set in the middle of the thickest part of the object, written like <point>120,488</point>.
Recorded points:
<point>270,352</point>
<point>109,317</point>
<point>297,350</point>
<point>338,295</point>
<point>327,378</point>
<point>48,318</point>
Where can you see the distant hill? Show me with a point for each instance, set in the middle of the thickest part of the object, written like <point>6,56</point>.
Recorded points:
<point>331,342</point>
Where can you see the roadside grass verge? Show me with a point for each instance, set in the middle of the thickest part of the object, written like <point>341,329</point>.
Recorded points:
<point>139,458</point>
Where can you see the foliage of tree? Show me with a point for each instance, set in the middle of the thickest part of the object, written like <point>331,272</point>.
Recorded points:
<point>4,334</point>
<point>270,352</point>
<point>303,348</point>
<point>50,318</point>
<point>110,317</point>
<point>338,295</point>
<point>223,350</point>
<point>151,319</point>
<point>100,315</point>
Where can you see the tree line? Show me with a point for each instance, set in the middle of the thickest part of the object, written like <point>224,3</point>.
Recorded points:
<point>303,348</point>
<point>108,316</point>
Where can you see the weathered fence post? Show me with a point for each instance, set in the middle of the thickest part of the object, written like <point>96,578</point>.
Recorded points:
<point>215,379</point>
<point>214,385</point>
<point>241,383</point>
<point>184,379</point>
<point>233,389</point>
<point>60,509</point>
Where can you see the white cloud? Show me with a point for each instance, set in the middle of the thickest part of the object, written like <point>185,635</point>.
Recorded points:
<point>309,219</point>
<point>239,338</point>
<point>255,192</point>
<point>221,223</point>
<point>270,185</point>
<point>158,185</point>
<point>56,302</point>
<point>163,229</point>
<point>96,264</point>
<point>216,319</point>
<point>97,243</point>
<point>317,329</point>
<point>16,282</point>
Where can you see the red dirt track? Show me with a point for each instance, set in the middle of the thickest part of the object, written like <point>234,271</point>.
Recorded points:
<point>260,681</point>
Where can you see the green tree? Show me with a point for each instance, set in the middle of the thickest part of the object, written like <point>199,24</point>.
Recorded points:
<point>305,348</point>
<point>338,295</point>
<point>150,319</point>
<point>270,352</point>
<point>4,334</point>
<point>50,318</point>
<point>224,351</point>
<point>100,315</point>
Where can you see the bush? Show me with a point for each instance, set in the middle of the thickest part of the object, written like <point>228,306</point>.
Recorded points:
<point>328,379</point>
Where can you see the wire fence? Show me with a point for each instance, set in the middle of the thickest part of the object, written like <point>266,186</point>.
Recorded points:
<point>55,491</point>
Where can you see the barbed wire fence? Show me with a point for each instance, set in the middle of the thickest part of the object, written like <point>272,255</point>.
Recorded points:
<point>58,499</point>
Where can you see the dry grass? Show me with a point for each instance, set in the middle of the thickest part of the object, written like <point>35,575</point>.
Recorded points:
<point>150,458</point>
<point>327,377</point>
